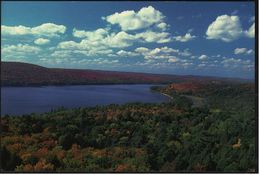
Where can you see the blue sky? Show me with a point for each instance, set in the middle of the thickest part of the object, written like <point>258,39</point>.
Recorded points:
<point>197,38</point>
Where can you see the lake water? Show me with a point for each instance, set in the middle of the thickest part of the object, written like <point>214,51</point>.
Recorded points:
<point>26,100</point>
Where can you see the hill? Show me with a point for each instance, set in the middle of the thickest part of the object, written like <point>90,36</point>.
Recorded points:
<point>24,74</point>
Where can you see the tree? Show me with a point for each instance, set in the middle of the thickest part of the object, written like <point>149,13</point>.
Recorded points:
<point>66,141</point>
<point>42,165</point>
<point>8,160</point>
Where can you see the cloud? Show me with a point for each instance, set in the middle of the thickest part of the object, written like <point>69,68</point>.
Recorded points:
<point>94,52</point>
<point>142,50</point>
<point>185,53</point>
<point>101,38</point>
<point>91,35</point>
<point>238,64</point>
<point>105,39</point>
<point>190,30</point>
<point>61,54</point>
<point>71,53</point>
<point>226,28</point>
<point>131,20</point>
<point>162,53</point>
<point>251,31</point>
<point>173,60</point>
<point>15,30</point>
<point>202,65</point>
<point>167,50</point>
<point>84,47</point>
<point>157,53</point>
<point>187,64</point>
<point>231,61</point>
<point>238,51</point>
<point>41,41</point>
<point>157,37</point>
<point>21,48</point>
<point>163,26</point>
<point>124,53</point>
<point>69,45</point>
<point>104,61</point>
<point>47,29</point>
<point>203,57</point>
<point>120,40</point>
<point>252,19</point>
<point>100,41</point>
<point>19,52</point>
<point>185,38</point>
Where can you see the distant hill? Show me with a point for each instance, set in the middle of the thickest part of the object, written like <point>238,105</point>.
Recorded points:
<point>24,74</point>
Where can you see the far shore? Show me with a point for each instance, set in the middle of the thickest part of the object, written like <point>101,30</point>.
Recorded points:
<point>82,84</point>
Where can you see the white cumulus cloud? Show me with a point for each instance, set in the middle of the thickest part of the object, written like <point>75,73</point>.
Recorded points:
<point>91,35</point>
<point>21,48</point>
<point>185,38</point>
<point>120,40</point>
<point>141,49</point>
<point>98,41</point>
<point>238,51</point>
<point>157,37</point>
<point>173,60</point>
<point>252,19</point>
<point>158,53</point>
<point>131,20</point>
<point>102,39</point>
<point>41,41</point>
<point>19,51</point>
<point>47,29</point>
<point>251,31</point>
<point>226,28</point>
<point>203,57</point>
<point>163,26</point>
<point>124,53</point>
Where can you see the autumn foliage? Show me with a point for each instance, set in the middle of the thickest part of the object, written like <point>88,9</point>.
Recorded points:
<point>169,137</point>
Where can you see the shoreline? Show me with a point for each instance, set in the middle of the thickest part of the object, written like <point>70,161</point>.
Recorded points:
<point>166,95</point>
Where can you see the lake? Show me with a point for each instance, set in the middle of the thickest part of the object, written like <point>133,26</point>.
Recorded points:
<point>26,100</point>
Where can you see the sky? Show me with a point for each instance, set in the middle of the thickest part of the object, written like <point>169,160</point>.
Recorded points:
<point>184,38</point>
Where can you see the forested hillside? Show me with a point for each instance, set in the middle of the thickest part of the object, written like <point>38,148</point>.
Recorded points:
<point>218,136</point>
<point>24,74</point>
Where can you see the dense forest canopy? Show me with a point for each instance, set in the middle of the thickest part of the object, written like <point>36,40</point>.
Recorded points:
<point>218,135</point>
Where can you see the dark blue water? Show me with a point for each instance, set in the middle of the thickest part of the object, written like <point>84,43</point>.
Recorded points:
<point>26,100</point>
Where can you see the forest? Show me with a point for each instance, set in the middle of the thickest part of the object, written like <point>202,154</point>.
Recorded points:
<point>219,135</point>
<point>25,74</point>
